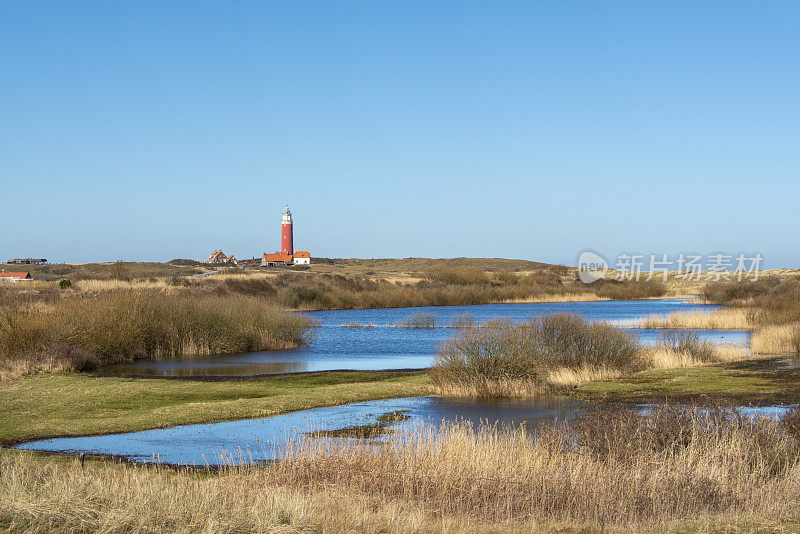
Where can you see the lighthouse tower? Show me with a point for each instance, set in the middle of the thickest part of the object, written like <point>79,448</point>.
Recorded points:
<point>287,245</point>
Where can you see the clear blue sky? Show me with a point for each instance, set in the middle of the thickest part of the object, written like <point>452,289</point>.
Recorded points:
<point>155,130</point>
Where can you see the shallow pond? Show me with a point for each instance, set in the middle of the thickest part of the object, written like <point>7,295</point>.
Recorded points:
<point>254,440</point>
<point>384,347</point>
<point>258,440</point>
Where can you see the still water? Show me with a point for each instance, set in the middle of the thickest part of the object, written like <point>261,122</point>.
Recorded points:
<point>385,347</point>
<point>258,440</point>
<point>255,440</point>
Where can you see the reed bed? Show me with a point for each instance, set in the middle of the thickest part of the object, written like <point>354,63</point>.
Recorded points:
<point>463,320</point>
<point>93,285</point>
<point>556,297</point>
<point>686,342</point>
<point>78,333</point>
<point>777,339</point>
<point>663,358</point>
<point>418,320</point>
<point>721,319</point>
<point>613,468</point>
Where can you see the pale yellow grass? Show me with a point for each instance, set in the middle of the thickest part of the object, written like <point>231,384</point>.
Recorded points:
<point>556,380</point>
<point>13,369</point>
<point>720,319</point>
<point>564,297</point>
<point>510,477</point>
<point>39,494</point>
<point>491,388</point>
<point>21,285</point>
<point>777,339</point>
<point>660,358</point>
<point>572,377</point>
<point>238,275</point>
<point>399,279</point>
<point>124,285</point>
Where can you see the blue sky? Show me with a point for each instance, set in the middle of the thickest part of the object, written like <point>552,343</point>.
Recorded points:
<point>155,130</point>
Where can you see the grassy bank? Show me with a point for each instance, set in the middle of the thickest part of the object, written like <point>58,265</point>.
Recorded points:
<point>79,333</point>
<point>763,381</point>
<point>673,470</point>
<point>73,404</point>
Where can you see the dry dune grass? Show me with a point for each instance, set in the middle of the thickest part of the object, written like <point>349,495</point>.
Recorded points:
<point>237,275</point>
<point>767,339</point>
<point>610,471</point>
<point>122,285</point>
<point>777,339</point>
<point>555,382</point>
<point>661,358</point>
<point>720,319</point>
<point>563,297</point>
<point>491,388</point>
<point>565,376</point>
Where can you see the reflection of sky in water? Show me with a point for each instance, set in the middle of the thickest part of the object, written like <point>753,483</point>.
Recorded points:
<point>385,347</point>
<point>261,439</point>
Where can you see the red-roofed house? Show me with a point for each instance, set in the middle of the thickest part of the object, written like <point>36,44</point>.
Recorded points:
<point>273,260</point>
<point>218,257</point>
<point>15,276</point>
<point>302,257</point>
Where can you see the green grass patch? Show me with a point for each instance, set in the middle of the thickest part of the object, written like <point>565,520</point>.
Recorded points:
<point>45,405</point>
<point>750,382</point>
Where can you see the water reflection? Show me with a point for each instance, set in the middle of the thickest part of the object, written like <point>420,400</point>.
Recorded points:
<point>261,439</point>
<point>386,347</point>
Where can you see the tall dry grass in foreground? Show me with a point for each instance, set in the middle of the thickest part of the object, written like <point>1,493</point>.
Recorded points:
<point>612,468</point>
<point>675,468</point>
<point>78,333</point>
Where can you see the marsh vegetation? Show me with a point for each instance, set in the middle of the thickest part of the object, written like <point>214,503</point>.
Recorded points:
<point>77,333</point>
<point>503,358</point>
<point>508,358</point>
<point>615,469</point>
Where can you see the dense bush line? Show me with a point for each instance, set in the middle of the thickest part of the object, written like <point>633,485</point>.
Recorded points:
<point>79,332</point>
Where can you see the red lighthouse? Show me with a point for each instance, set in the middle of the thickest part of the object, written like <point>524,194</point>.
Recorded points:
<point>287,245</point>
